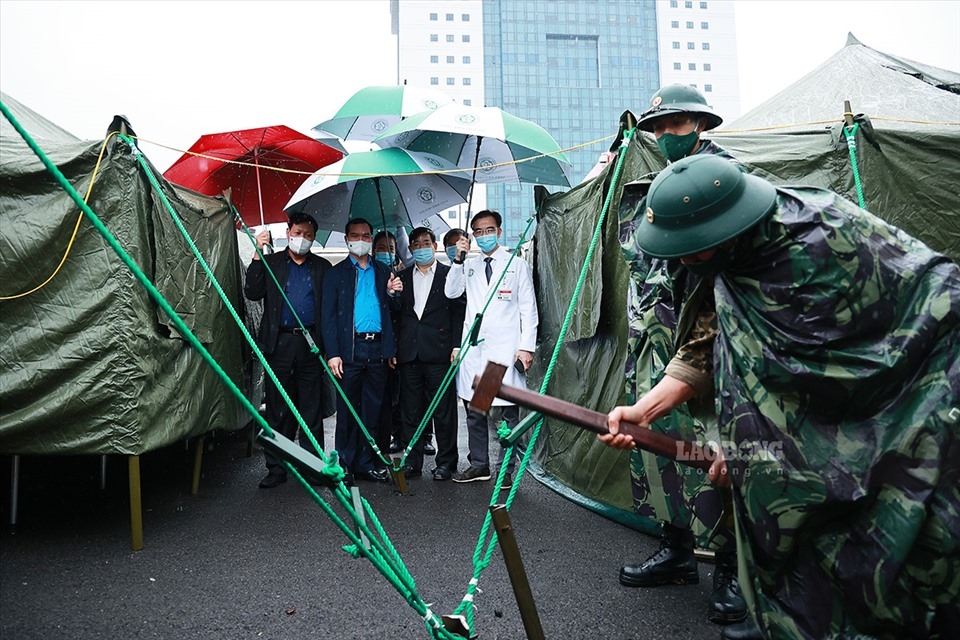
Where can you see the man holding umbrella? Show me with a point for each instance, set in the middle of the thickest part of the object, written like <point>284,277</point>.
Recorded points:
<point>359,341</point>
<point>283,335</point>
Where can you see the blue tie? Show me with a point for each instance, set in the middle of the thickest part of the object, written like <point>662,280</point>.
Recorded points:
<point>488,269</point>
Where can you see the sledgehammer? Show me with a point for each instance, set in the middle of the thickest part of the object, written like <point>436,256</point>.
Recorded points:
<point>490,385</point>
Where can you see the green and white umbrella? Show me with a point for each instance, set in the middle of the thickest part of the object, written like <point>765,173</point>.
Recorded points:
<point>372,110</point>
<point>492,144</point>
<point>389,187</point>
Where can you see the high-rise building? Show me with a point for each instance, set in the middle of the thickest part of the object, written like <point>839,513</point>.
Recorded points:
<point>571,66</point>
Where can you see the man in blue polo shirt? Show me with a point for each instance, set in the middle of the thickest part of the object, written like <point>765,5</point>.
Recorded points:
<point>282,337</point>
<point>358,339</point>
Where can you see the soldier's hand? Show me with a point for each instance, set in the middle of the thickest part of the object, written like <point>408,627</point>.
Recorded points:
<point>718,471</point>
<point>616,439</point>
<point>336,367</point>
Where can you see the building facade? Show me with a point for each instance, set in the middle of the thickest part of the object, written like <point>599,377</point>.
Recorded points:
<point>571,66</point>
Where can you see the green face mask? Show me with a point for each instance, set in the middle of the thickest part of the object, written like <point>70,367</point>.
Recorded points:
<point>674,147</point>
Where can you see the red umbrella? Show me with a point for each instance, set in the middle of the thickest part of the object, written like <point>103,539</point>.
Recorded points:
<point>264,167</point>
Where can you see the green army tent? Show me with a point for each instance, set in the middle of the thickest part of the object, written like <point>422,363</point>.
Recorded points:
<point>906,141</point>
<point>90,364</point>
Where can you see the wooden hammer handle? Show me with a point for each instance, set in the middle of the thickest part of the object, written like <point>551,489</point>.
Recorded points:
<point>661,444</point>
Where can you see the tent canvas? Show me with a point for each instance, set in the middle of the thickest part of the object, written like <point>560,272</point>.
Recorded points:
<point>90,364</point>
<point>906,155</point>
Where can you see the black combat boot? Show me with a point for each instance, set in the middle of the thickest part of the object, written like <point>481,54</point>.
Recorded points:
<point>673,563</point>
<point>726,601</point>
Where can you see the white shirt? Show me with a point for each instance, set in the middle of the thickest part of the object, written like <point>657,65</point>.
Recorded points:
<point>422,281</point>
<point>509,321</point>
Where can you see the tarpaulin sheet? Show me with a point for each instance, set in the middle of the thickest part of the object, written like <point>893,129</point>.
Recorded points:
<point>90,364</point>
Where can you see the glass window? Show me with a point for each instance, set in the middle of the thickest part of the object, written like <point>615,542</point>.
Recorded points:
<point>434,37</point>
<point>450,59</point>
<point>434,59</point>
<point>692,66</point>
<point>676,45</point>
<point>706,66</point>
<point>688,4</point>
<point>703,5</point>
<point>449,17</point>
<point>450,81</point>
<point>689,24</point>
<point>433,17</point>
<point>704,25</point>
<point>434,80</point>
<point>708,88</point>
<point>465,17</point>
<point>675,24</point>
<point>465,38</point>
<point>466,82</point>
<point>673,4</point>
<point>449,37</point>
<point>705,46</point>
<point>466,59</point>
<point>676,66</point>
<point>468,102</point>
<point>690,45</point>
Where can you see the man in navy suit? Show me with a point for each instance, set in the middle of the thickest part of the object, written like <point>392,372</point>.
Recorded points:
<point>358,338</point>
<point>283,335</point>
<point>429,327</point>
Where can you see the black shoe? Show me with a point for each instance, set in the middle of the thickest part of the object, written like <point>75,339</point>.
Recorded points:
<point>348,479</point>
<point>673,563</point>
<point>745,630</point>
<point>409,472</point>
<point>507,481</point>
<point>442,473</point>
<point>726,601</point>
<point>429,449</point>
<point>374,475</point>
<point>473,474</point>
<point>396,446</point>
<point>272,480</point>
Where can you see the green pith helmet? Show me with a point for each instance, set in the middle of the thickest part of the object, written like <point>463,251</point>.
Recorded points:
<point>678,98</point>
<point>698,203</point>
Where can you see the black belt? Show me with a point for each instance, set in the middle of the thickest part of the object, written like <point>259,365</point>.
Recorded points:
<point>369,335</point>
<point>297,330</point>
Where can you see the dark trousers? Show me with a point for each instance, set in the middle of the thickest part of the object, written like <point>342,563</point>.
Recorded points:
<point>478,435</point>
<point>364,381</point>
<point>388,425</point>
<point>299,373</point>
<point>419,382</point>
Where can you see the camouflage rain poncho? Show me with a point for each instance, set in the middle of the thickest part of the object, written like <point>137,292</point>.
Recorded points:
<point>838,377</point>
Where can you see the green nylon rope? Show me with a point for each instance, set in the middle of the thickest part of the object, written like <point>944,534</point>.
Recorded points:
<point>482,558</point>
<point>851,135</point>
<point>383,560</point>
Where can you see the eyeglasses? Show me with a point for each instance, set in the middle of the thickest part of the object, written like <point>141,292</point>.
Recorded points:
<point>479,233</point>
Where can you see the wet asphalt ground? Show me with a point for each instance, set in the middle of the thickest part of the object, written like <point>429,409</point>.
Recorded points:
<point>236,561</point>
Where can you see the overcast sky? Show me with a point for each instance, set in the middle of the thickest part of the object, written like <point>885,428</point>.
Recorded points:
<point>181,69</point>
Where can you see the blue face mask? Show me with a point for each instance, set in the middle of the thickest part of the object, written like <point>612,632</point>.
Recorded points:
<point>423,256</point>
<point>487,243</point>
<point>452,252</point>
<point>385,257</point>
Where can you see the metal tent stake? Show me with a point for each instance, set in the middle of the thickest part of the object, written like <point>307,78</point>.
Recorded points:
<point>518,576</point>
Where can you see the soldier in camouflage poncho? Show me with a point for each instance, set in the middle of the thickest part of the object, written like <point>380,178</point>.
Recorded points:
<point>838,385</point>
<point>672,326</point>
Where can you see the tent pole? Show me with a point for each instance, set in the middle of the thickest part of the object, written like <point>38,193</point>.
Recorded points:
<point>14,487</point>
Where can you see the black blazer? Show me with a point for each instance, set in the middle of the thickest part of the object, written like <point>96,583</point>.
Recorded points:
<point>433,336</point>
<point>260,285</point>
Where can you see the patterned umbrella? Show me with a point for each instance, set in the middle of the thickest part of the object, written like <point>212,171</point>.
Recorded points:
<point>372,110</point>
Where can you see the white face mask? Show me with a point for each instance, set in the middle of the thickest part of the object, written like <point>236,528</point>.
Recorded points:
<point>359,247</point>
<point>300,245</point>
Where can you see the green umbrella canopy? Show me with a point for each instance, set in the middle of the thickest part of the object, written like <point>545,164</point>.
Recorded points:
<point>391,187</point>
<point>372,110</point>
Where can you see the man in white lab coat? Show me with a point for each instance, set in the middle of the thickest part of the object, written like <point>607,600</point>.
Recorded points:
<point>508,333</point>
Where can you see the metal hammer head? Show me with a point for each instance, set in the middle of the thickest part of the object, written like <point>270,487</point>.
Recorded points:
<point>487,386</point>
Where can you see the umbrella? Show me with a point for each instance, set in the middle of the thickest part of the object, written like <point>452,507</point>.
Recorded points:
<point>263,167</point>
<point>403,186</point>
<point>372,110</point>
<point>488,140</point>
